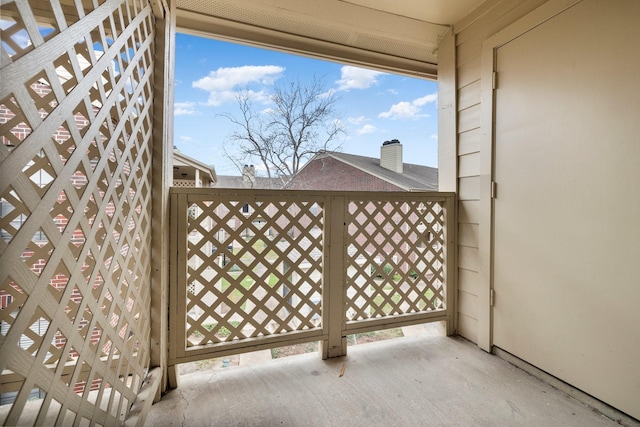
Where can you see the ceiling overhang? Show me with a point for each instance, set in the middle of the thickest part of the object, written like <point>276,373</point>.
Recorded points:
<point>393,36</point>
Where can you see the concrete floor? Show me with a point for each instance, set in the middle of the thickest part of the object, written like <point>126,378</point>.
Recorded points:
<point>421,380</point>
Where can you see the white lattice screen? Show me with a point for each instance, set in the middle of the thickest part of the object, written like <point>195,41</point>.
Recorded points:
<point>253,268</point>
<point>265,268</point>
<point>75,122</point>
<point>395,258</point>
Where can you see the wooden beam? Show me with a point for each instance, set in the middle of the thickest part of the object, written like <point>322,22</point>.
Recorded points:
<point>162,174</point>
<point>145,398</point>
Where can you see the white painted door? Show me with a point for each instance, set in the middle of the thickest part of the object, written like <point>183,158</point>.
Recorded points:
<point>567,214</point>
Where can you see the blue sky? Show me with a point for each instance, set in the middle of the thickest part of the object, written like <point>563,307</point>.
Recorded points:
<point>373,106</point>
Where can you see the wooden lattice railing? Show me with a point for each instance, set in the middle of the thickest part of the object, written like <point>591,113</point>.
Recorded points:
<point>76,91</point>
<point>263,268</point>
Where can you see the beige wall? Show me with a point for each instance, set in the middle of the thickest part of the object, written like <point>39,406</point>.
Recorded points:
<point>594,319</point>
<point>469,34</point>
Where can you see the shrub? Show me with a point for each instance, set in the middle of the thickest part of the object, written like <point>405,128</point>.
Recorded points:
<point>387,270</point>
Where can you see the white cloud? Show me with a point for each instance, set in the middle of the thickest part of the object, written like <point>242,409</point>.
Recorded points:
<point>393,91</point>
<point>184,108</point>
<point>357,120</point>
<point>224,83</point>
<point>401,110</point>
<point>366,129</point>
<point>327,93</point>
<point>229,78</point>
<point>185,139</point>
<point>428,99</point>
<point>357,78</point>
<point>409,110</point>
<point>434,136</point>
<point>260,96</point>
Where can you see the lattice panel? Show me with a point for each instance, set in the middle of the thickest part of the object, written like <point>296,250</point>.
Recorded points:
<point>254,268</point>
<point>75,193</point>
<point>395,258</point>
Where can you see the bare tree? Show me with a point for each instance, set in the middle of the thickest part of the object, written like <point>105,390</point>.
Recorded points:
<point>300,122</point>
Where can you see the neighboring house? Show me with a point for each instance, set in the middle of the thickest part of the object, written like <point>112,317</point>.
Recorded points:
<point>189,172</point>
<point>350,172</point>
<point>341,171</point>
<point>248,180</point>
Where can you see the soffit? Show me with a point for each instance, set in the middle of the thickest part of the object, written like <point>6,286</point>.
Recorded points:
<point>444,12</point>
<point>398,36</point>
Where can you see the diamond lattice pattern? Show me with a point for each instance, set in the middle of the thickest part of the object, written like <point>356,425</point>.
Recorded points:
<point>394,258</point>
<point>75,127</point>
<point>254,268</point>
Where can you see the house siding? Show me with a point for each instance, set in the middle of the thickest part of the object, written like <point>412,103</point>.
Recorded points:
<point>470,33</point>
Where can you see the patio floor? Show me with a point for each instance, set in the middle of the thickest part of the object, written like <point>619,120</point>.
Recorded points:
<point>421,380</point>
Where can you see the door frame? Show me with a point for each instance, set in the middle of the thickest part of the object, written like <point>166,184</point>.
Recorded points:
<point>488,190</point>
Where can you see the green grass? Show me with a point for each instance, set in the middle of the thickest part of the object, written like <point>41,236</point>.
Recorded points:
<point>273,280</point>
<point>387,308</point>
<point>259,246</point>
<point>235,295</point>
<point>223,332</point>
<point>247,283</point>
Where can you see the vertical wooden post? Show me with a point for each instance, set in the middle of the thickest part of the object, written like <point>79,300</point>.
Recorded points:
<point>177,293</point>
<point>447,114</point>
<point>451,267</point>
<point>161,169</point>
<point>448,163</point>
<point>333,278</point>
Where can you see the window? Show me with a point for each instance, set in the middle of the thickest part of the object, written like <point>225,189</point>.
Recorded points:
<point>15,224</point>
<point>7,233</point>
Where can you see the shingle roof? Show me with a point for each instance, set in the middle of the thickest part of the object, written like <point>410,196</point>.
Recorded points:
<point>414,177</point>
<point>229,181</point>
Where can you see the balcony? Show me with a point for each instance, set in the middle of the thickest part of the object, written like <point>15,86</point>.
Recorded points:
<point>424,379</point>
<point>254,270</point>
<point>85,171</point>
<point>262,269</point>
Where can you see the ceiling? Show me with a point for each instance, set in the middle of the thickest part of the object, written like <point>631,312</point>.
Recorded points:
<point>443,12</point>
<point>393,35</point>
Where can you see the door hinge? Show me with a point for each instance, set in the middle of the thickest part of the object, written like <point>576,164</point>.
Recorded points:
<point>494,189</point>
<point>494,80</point>
<point>492,297</point>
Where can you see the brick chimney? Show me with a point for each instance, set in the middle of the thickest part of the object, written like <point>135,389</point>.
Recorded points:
<point>249,174</point>
<point>391,156</point>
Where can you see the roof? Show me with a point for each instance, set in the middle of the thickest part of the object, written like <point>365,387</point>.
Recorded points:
<point>185,164</point>
<point>229,181</point>
<point>414,177</point>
